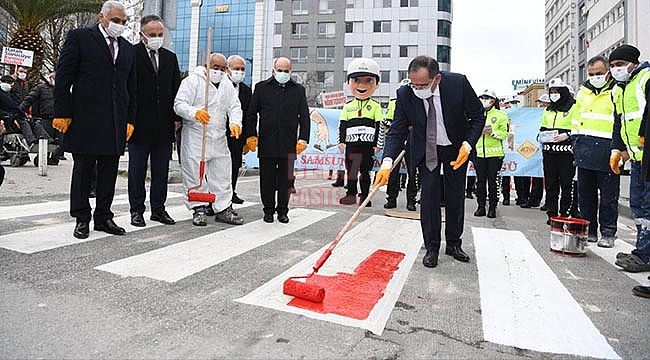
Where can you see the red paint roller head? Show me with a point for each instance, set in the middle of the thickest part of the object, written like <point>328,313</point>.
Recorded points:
<point>201,197</point>
<point>303,290</point>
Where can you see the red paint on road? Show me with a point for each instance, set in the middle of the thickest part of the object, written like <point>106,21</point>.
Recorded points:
<point>354,295</point>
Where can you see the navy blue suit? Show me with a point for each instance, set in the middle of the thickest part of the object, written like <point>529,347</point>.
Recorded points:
<point>99,94</point>
<point>464,119</point>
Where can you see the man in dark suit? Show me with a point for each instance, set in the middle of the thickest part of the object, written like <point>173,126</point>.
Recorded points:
<point>447,119</point>
<point>94,105</point>
<point>236,71</point>
<point>158,81</point>
<point>282,107</point>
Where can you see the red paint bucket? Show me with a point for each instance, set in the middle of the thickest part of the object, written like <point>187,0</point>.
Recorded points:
<point>569,235</point>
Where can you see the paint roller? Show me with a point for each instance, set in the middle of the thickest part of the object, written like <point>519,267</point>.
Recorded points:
<point>194,196</point>
<point>297,286</point>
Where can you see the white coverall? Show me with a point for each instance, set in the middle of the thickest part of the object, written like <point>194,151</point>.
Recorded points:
<point>223,102</point>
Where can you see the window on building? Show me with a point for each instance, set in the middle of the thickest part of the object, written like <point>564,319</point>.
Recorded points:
<point>381,26</point>
<point>277,29</point>
<point>300,7</point>
<point>299,54</point>
<point>444,5</point>
<point>354,4</point>
<point>408,3</point>
<point>325,77</point>
<point>326,6</point>
<point>384,76</point>
<point>353,51</point>
<point>408,26</point>
<point>444,54</point>
<point>299,30</point>
<point>409,51</point>
<point>444,28</point>
<point>278,5</point>
<point>381,51</point>
<point>382,3</point>
<point>326,29</point>
<point>325,53</point>
<point>402,74</point>
<point>277,52</point>
<point>353,27</point>
<point>299,76</point>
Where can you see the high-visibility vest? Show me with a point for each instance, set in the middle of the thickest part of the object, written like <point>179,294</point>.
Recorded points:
<point>595,115</point>
<point>552,119</point>
<point>491,145</point>
<point>630,102</point>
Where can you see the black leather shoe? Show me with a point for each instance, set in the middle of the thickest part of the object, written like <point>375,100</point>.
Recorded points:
<point>163,217</point>
<point>642,291</point>
<point>338,183</point>
<point>236,199</point>
<point>492,213</point>
<point>480,211</point>
<point>137,220</point>
<point>268,218</point>
<point>110,227</point>
<point>209,211</point>
<point>457,253</point>
<point>390,204</point>
<point>506,202</point>
<point>410,205</point>
<point>430,259</point>
<point>82,230</point>
<point>283,218</point>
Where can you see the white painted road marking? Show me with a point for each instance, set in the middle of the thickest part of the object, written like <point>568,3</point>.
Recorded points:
<point>52,207</point>
<point>175,262</point>
<point>51,237</point>
<point>358,244</point>
<point>609,255</point>
<point>523,303</point>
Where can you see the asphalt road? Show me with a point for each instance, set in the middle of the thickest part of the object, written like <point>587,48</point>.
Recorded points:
<point>56,303</point>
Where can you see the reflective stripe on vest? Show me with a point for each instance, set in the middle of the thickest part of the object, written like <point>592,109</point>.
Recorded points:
<point>595,113</point>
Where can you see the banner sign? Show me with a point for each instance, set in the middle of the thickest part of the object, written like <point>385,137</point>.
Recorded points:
<point>524,159</point>
<point>14,56</point>
<point>334,99</point>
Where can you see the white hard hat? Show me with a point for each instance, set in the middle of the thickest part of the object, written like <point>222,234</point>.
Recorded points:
<point>514,99</point>
<point>363,67</point>
<point>544,98</point>
<point>489,93</point>
<point>557,83</point>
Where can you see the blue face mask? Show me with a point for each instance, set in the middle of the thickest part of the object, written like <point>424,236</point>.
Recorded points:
<point>282,77</point>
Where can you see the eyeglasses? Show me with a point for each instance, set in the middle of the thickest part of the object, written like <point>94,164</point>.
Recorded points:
<point>284,71</point>
<point>420,86</point>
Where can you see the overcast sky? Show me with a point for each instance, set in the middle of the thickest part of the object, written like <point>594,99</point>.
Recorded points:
<point>495,42</point>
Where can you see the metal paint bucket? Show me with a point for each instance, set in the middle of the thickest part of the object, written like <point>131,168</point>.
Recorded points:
<point>569,235</point>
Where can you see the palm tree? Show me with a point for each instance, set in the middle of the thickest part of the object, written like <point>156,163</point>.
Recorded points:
<point>30,16</point>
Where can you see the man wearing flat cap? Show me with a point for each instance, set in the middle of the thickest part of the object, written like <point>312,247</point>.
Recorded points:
<point>630,97</point>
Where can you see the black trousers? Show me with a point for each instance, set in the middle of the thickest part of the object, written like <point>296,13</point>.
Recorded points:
<point>82,172</point>
<point>392,191</point>
<point>274,181</point>
<point>487,171</point>
<point>470,186</point>
<point>33,130</point>
<point>236,147</point>
<point>529,189</point>
<point>139,154</point>
<point>358,163</point>
<point>432,194</point>
<point>558,173</point>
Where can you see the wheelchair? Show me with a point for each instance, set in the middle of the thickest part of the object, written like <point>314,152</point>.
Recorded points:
<point>14,146</point>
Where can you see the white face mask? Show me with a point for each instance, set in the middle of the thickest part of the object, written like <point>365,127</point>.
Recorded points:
<point>620,73</point>
<point>216,76</point>
<point>22,75</point>
<point>423,93</point>
<point>237,76</point>
<point>154,43</point>
<point>5,87</point>
<point>115,30</point>
<point>555,97</point>
<point>487,103</point>
<point>598,81</point>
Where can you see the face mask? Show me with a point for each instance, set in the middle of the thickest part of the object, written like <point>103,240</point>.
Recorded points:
<point>423,93</point>
<point>215,76</point>
<point>486,103</point>
<point>598,81</point>
<point>620,73</point>
<point>5,87</point>
<point>22,75</point>
<point>115,30</point>
<point>154,43</point>
<point>282,77</point>
<point>555,97</point>
<point>237,76</point>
